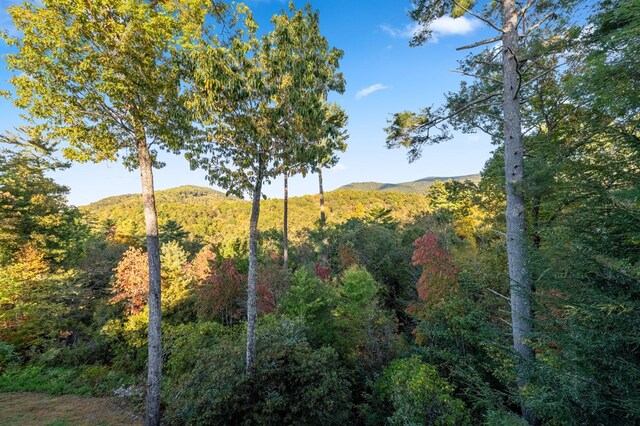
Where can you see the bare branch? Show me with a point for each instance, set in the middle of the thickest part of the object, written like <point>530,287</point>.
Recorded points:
<point>506,322</point>
<point>502,234</point>
<point>480,43</point>
<point>477,76</point>
<point>482,18</point>
<point>526,8</point>
<point>542,74</point>
<point>535,26</point>
<point>444,118</point>
<point>500,295</point>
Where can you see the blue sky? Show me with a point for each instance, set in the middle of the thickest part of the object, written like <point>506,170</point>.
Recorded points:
<point>384,75</point>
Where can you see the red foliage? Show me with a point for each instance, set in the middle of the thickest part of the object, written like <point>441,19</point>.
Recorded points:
<point>439,277</point>
<point>322,272</point>
<point>347,256</point>
<point>132,280</point>
<point>273,283</point>
<point>222,293</point>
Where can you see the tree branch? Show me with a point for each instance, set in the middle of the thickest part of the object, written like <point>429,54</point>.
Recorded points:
<point>499,295</point>
<point>535,26</point>
<point>482,18</point>
<point>476,76</point>
<point>444,118</point>
<point>480,43</point>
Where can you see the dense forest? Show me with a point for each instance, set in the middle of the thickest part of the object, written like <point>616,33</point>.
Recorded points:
<point>511,298</point>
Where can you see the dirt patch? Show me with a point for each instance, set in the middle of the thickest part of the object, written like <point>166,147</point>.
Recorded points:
<point>36,409</point>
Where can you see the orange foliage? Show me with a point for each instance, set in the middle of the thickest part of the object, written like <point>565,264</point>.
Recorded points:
<point>132,280</point>
<point>202,263</point>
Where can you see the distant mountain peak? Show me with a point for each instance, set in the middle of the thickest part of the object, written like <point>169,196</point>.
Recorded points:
<point>181,194</point>
<point>419,186</point>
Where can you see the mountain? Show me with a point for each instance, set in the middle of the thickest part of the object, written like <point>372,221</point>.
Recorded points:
<point>188,194</point>
<point>419,186</point>
<point>209,215</point>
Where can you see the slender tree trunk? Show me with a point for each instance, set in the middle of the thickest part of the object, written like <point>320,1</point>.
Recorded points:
<point>519,282</point>
<point>323,221</point>
<point>252,307</point>
<point>285,228</point>
<point>154,362</point>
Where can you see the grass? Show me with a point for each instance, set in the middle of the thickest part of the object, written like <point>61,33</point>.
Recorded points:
<point>84,380</point>
<point>31,409</point>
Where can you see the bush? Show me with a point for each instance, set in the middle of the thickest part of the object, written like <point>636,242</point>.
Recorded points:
<point>312,301</point>
<point>8,356</point>
<point>84,380</point>
<point>292,383</point>
<point>414,394</point>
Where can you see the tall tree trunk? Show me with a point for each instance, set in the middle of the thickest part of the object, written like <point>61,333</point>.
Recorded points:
<point>285,227</point>
<point>323,221</point>
<point>252,308</point>
<point>154,362</point>
<point>519,282</point>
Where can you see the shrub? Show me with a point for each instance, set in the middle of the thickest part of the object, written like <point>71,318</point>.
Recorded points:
<point>84,380</point>
<point>415,394</point>
<point>312,301</point>
<point>8,356</point>
<point>292,383</point>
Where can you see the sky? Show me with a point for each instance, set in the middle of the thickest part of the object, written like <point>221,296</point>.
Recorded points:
<point>384,76</point>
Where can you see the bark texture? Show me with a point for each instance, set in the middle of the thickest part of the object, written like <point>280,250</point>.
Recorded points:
<point>154,362</point>
<point>323,221</point>
<point>252,307</point>
<point>519,282</point>
<point>285,227</point>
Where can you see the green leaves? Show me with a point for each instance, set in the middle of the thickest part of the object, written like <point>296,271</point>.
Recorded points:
<point>262,102</point>
<point>100,75</point>
<point>33,207</point>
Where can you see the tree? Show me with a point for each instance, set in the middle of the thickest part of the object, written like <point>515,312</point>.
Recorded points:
<point>439,276</point>
<point>519,23</point>
<point>102,76</point>
<point>318,128</point>
<point>31,300</point>
<point>274,82</point>
<point>326,157</point>
<point>608,60</point>
<point>172,231</point>
<point>220,293</point>
<point>34,207</point>
<point>132,281</point>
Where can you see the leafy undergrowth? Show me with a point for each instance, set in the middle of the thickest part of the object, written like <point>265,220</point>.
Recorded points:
<point>84,380</point>
<point>31,409</point>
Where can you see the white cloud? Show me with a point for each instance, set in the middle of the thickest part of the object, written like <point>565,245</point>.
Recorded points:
<point>447,25</point>
<point>370,89</point>
<point>474,138</point>
<point>443,26</point>
<point>407,32</point>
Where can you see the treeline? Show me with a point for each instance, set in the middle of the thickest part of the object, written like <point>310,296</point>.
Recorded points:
<point>208,216</point>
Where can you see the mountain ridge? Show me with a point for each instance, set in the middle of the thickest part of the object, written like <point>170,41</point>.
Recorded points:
<point>419,186</point>
<point>194,194</point>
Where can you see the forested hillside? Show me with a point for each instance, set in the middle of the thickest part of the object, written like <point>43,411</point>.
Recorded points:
<point>510,298</point>
<point>209,216</point>
<point>419,186</point>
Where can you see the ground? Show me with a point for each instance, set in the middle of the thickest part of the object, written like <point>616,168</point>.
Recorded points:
<point>31,409</point>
